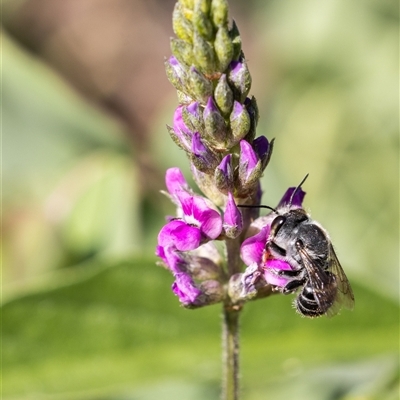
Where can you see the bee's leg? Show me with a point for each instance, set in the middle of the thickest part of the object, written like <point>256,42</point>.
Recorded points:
<point>293,285</point>
<point>289,273</point>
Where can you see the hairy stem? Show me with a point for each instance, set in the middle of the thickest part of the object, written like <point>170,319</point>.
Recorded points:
<point>230,328</point>
<point>230,353</point>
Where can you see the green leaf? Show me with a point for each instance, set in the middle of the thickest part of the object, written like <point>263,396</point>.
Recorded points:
<point>120,330</point>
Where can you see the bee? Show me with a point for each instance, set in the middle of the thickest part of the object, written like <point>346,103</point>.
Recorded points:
<point>316,271</point>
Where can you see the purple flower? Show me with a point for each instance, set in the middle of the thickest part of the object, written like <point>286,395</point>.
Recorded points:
<point>198,222</point>
<point>233,221</point>
<point>175,181</point>
<point>185,289</point>
<point>171,258</point>
<point>252,248</point>
<point>297,198</point>
<point>271,272</point>
<point>197,277</point>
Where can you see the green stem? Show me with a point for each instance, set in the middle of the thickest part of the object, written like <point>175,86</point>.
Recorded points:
<point>230,328</point>
<point>231,353</point>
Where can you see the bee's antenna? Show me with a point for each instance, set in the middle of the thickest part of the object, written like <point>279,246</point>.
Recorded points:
<point>246,206</point>
<point>295,190</point>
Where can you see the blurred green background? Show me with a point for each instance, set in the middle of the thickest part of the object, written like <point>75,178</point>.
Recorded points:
<point>86,313</point>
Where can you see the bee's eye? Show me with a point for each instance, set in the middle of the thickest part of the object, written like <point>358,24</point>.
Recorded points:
<point>277,224</point>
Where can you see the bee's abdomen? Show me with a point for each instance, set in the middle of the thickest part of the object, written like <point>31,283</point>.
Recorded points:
<point>307,305</point>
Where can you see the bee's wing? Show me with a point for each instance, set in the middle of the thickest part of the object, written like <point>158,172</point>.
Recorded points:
<point>345,296</point>
<point>323,284</point>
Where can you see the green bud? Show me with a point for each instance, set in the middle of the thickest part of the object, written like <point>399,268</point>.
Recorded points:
<point>176,74</point>
<point>224,175</point>
<point>223,95</point>
<point>236,41</point>
<point>219,12</point>
<point>203,25</point>
<point>202,6</point>
<point>249,183</point>
<point>193,117</point>
<point>187,4</point>
<point>223,48</point>
<point>215,126</point>
<point>252,109</point>
<point>181,26</point>
<point>200,87</point>
<point>240,121</point>
<point>182,51</point>
<point>239,79</point>
<point>203,54</point>
<point>202,268</point>
<point>213,291</point>
<point>183,98</point>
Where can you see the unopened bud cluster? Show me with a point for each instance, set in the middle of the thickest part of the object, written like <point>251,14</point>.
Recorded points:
<point>215,122</point>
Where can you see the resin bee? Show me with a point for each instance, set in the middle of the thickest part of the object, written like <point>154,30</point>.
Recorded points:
<point>316,271</point>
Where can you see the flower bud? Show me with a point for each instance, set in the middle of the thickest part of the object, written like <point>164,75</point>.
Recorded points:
<point>219,12</point>
<point>252,109</point>
<point>187,9</point>
<point>223,95</point>
<point>201,156</point>
<point>201,268</point>
<point>223,48</point>
<point>202,22</point>
<point>212,293</point>
<point>189,4</point>
<point>249,285</point>
<point>183,98</point>
<point>202,6</point>
<point>240,79</point>
<point>193,116</point>
<point>204,54</point>
<point>176,73</point>
<point>240,121</point>
<point>200,86</point>
<point>250,276</point>
<point>223,176</point>
<point>181,26</point>
<point>215,127</point>
<point>233,221</point>
<point>249,166</point>
<point>236,41</point>
<point>263,148</point>
<point>182,51</point>
<point>180,133</point>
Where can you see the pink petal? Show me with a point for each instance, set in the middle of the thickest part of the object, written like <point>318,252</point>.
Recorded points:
<point>175,180</point>
<point>252,248</point>
<point>180,234</point>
